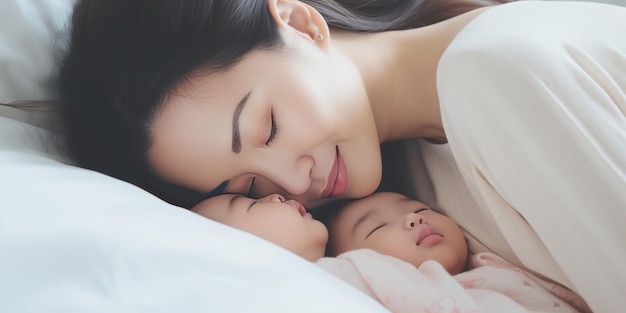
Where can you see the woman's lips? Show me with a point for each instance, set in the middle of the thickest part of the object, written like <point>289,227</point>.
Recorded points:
<point>337,178</point>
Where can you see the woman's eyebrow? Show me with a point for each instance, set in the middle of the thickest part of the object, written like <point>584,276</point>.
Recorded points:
<point>236,144</point>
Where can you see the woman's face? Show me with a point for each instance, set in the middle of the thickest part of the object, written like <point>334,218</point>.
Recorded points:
<point>295,122</point>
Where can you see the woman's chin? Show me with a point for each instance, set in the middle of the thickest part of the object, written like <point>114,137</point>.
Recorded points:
<point>351,192</point>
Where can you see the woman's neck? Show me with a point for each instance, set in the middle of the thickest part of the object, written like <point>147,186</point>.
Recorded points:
<point>399,70</point>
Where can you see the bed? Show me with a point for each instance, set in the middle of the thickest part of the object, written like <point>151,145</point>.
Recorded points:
<point>74,240</point>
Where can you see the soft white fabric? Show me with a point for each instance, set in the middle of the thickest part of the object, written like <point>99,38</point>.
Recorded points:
<point>32,34</point>
<point>614,2</point>
<point>533,96</point>
<point>29,35</point>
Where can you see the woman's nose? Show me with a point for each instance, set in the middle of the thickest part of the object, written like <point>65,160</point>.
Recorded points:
<point>273,198</point>
<point>412,219</point>
<point>294,177</point>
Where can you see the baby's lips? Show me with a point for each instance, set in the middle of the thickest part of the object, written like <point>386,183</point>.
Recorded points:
<point>427,231</point>
<point>298,206</point>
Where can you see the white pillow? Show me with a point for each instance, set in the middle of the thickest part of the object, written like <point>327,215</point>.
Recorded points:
<point>74,240</point>
<point>29,34</point>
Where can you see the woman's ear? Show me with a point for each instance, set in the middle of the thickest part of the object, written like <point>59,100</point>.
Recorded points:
<point>301,17</point>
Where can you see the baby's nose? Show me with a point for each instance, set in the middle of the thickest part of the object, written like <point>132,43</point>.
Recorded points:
<point>412,219</point>
<point>273,198</point>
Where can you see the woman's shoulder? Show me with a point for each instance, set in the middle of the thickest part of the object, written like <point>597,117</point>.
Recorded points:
<point>531,24</point>
<point>531,54</point>
<point>530,11</point>
<point>534,36</point>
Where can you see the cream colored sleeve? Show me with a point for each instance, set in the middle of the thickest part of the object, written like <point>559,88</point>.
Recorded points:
<point>535,114</point>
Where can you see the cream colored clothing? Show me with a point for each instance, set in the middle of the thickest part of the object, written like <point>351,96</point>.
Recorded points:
<point>494,286</point>
<point>533,100</point>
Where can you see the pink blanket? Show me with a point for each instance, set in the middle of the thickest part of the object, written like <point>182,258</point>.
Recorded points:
<point>493,285</point>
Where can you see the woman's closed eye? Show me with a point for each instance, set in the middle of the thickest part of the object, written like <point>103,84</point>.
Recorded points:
<point>273,130</point>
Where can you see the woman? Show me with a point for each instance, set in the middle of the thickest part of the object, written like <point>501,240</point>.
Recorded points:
<point>156,45</point>
<point>294,97</point>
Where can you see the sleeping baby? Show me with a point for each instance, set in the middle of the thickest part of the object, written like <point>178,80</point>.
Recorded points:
<point>398,251</point>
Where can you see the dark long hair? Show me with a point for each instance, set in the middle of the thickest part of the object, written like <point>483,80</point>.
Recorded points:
<point>126,56</point>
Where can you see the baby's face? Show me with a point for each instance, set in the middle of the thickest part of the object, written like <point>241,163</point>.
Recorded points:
<point>283,222</point>
<point>407,229</point>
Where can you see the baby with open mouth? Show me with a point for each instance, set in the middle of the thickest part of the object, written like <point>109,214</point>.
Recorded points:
<point>394,247</point>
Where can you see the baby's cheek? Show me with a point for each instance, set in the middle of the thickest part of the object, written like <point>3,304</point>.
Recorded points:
<point>398,247</point>
<point>385,244</point>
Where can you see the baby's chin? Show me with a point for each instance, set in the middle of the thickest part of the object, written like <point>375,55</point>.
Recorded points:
<point>455,266</point>
<point>454,269</point>
<point>312,253</point>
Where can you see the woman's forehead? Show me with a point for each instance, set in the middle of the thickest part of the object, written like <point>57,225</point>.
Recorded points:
<point>191,137</point>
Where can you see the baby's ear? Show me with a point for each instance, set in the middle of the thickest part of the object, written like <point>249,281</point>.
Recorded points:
<point>301,17</point>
